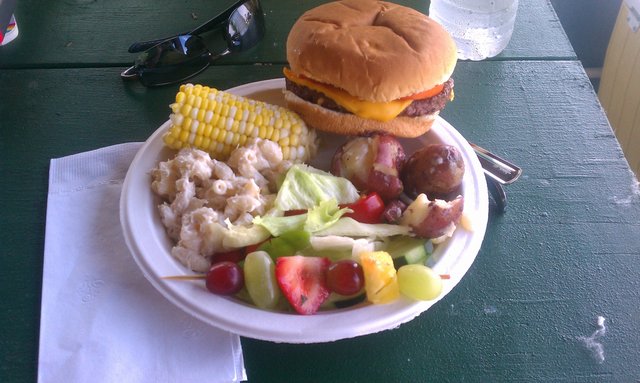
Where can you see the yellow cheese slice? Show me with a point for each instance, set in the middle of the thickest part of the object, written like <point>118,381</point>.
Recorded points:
<point>381,111</point>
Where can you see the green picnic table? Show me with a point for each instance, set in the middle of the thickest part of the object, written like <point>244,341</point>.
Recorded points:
<point>565,252</point>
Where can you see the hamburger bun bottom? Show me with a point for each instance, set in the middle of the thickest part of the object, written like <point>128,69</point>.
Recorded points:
<point>327,120</point>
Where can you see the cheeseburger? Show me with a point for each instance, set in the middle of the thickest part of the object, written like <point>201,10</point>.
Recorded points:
<point>362,66</point>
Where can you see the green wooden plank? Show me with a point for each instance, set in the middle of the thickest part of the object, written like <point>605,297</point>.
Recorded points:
<point>566,251</point>
<point>98,33</point>
<point>537,34</point>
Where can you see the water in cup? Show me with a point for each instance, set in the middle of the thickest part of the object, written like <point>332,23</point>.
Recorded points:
<point>480,28</point>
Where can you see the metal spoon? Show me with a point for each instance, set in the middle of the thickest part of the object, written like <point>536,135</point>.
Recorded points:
<point>495,167</point>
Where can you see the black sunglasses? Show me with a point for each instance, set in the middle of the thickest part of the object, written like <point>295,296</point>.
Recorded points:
<point>177,58</point>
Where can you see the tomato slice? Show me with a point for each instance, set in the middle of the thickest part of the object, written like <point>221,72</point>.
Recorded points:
<point>426,94</point>
<point>367,209</point>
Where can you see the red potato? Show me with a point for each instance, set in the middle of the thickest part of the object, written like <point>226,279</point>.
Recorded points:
<point>393,211</point>
<point>433,219</point>
<point>435,170</point>
<point>372,163</point>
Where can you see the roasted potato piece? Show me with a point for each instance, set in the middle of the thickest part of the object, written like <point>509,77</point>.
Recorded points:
<point>372,163</point>
<point>435,170</point>
<point>393,211</point>
<point>433,219</point>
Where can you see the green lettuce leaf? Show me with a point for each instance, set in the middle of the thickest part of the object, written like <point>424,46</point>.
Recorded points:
<point>305,187</point>
<point>278,225</point>
<point>241,236</point>
<point>324,215</point>
<point>317,218</point>
<point>349,227</point>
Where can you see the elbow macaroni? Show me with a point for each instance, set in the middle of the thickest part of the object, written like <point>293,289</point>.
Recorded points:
<point>200,193</point>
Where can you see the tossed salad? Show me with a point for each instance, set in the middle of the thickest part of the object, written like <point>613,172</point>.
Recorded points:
<point>282,235</point>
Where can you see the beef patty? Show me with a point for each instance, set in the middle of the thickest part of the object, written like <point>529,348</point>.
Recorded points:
<point>416,108</point>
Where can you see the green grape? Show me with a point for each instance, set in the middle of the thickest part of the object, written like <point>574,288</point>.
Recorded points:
<point>260,280</point>
<point>419,282</point>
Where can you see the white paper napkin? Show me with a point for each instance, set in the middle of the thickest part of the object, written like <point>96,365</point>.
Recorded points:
<point>101,320</point>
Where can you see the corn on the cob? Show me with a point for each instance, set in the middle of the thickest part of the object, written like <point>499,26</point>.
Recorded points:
<point>218,122</point>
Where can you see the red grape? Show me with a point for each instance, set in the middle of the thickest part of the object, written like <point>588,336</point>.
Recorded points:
<point>225,278</point>
<point>345,277</point>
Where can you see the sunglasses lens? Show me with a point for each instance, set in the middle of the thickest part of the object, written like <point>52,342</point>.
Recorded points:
<point>173,60</point>
<point>245,26</point>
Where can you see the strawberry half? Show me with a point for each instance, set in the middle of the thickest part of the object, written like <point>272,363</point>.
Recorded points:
<point>303,281</point>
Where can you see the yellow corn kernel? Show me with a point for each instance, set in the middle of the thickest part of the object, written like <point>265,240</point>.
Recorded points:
<point>221,123</point>
<point>191,99</point>
<point>186,124</point>
<point>207,130</point>
<point>262,131</point>
<point>284,133</point>
<point>215,119</point>
<point>184,136</point>
<point>275,136</point>
<point>239,114</point>
<point>185,110</point>
<point>221,135</point>
<point>286,152</point>
<point>217,109</point>
<point>228,139</point>
<point>218,122</point>
<point>200,115</point>
<point>174,134</point>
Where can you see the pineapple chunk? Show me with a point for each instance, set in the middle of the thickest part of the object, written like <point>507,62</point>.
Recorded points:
<point>380,280</point>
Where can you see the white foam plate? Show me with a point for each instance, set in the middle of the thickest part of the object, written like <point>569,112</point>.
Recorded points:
<point>150,247</point>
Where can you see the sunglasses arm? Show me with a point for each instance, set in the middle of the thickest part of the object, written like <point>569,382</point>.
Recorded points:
<point>219,55</point>
<point>208,26</point>
<point>144,45</point>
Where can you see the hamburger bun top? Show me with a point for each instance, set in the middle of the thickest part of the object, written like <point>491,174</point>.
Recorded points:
<point>374,50</point>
